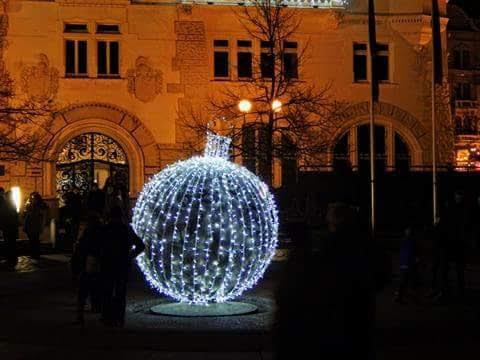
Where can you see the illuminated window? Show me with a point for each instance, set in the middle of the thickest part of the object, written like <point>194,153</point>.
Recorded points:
<point>108,58</point>
<point>221,60</point>
<point>75,58</point>
<point>244,59</point>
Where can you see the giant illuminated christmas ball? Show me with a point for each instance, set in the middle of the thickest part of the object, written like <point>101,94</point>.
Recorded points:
<point>209,226</point>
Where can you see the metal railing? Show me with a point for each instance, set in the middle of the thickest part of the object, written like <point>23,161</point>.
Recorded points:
<point>467,105</point>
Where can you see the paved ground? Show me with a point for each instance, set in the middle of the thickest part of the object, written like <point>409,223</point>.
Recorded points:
<point>37,309</point>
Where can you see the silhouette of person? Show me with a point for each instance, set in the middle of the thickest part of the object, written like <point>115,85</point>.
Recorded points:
<point>120,246</point>
<point>35,218</point>
<point>96,199</point>
<point>89,252</point>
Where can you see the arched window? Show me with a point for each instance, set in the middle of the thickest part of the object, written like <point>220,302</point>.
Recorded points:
<point>353,150</point>
<point>89,159</point>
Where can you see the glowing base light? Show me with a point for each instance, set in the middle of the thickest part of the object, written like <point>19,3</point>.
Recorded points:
<point>211,310</point>
<point>210,228</point>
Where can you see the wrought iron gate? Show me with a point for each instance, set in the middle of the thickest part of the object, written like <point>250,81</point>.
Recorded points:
<point>80,157</point>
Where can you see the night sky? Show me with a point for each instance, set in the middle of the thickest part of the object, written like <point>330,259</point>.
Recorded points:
<point>471,6</point>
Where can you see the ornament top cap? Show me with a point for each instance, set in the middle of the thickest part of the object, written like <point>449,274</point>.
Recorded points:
<point>217,146</point>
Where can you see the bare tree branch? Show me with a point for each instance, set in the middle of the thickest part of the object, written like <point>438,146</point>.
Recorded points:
<point>309,117</point>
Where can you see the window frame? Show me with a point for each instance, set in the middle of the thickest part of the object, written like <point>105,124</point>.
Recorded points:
<point>384,53</point>
<point>222,49</point>
<point>244,49</point>
<point>76,58</point>
<point>108,42</point>
<point>290,50</point>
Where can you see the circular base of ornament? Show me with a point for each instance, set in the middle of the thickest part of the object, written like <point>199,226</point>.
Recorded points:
<point>210,310</point>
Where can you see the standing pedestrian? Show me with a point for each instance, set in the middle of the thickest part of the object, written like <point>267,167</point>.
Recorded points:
<point>96,199</point>
<point>88,250</point>
<point>35,219</point>
<point>71,213</point>
<point>120,246</point>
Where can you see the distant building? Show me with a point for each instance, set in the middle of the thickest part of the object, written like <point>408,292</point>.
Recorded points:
<point>464,78</point>
<point>122,70</point>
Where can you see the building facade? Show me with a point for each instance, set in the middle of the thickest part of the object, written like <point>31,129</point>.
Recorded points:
<point>120,72</point>
<point>464,72</point>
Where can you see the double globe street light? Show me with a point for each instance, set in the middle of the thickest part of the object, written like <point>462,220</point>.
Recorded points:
<point>245,106</point>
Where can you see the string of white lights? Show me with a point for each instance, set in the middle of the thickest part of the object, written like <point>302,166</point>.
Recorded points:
<point>210,227</point>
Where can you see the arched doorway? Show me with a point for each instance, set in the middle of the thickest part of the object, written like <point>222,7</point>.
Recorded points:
<point>90,159</point>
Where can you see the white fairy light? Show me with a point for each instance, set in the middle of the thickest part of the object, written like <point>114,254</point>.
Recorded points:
<point>210,227</point>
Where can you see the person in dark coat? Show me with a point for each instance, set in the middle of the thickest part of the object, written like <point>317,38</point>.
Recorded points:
<point>9,226</point>
<point>120,246</point>
<point>71,214</point>
<point>96,199</point>
<point>88,250</point>
<point>35,219</point>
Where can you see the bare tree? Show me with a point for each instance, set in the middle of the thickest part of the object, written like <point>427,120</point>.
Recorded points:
<point>20,115</point>
<point>301,127</point>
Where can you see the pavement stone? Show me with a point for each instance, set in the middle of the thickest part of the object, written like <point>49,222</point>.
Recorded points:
<point>37,308</point>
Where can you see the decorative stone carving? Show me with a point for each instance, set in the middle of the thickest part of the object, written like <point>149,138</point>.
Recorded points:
<point>390,111</point>
<point>144,82</point>
<point>40,81</point>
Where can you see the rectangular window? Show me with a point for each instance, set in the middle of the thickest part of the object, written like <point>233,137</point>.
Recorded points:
<point>290,60</point>
<point>75,28</point>
<point>75,58</point>
<point>70,57</point>
<point>244,59</point>
<point>244,64</point>
<point>266,65</point>
<point>221,59</point>
<point>108,58</point>
<point>108,29</point>
<point>267,60</point>
<point>360,62</point>
<point>383,66</point>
